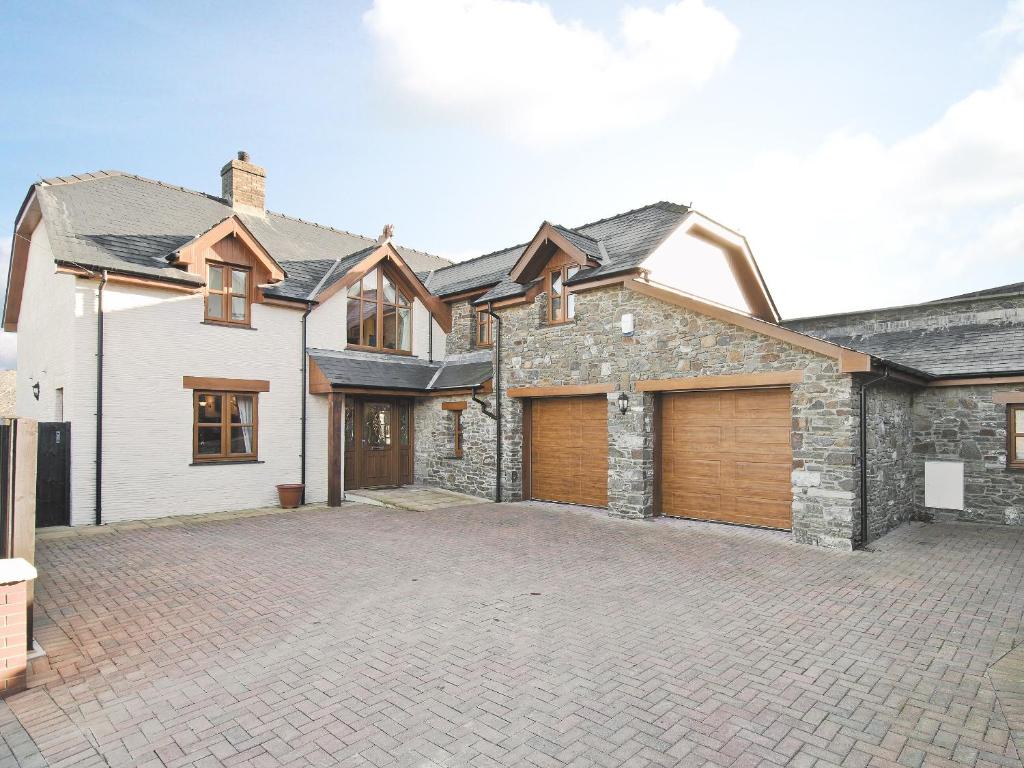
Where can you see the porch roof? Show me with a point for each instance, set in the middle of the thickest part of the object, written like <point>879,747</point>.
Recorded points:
<point>376,371</point>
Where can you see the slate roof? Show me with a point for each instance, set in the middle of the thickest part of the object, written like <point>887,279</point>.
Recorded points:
<point>966,350</point>
<point>628,239</point>
<point>348,369</point>
<point>119,221</point>
<point>999,290</point>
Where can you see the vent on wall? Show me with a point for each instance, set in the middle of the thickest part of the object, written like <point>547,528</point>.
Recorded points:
<point>944,484</point>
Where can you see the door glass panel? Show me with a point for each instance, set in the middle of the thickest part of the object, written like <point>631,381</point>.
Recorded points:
<point>215,305</point>
<point>216,278</point>
<point>209,441</point>
<point>405,329</point>
<point>353,322</point>
<point>350,425</point>
<point>403,425</point>
<point>377,426</point>
<point>390,327</point>
<point>389,290</point>
<point>239,281</point>
<point>238,308</point>
<point>369,323</point>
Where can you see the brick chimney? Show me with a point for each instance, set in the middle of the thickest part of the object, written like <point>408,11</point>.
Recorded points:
<point>244,185</point>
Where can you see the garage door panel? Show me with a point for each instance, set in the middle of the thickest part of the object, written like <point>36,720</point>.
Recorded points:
<point>727,456</point>
<point>569,450</point>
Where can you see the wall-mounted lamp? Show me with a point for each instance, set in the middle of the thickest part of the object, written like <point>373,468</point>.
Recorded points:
<point>623,402</point>
<point>35,390</point>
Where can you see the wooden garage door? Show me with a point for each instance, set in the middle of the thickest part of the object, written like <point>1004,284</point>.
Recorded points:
<point>727,456</point>
<point>569,449</point>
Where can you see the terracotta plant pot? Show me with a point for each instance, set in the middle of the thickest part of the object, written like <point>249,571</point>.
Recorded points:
<point>289,494</point>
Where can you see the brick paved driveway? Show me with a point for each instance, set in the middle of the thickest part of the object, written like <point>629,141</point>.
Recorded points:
<point>517,635</point>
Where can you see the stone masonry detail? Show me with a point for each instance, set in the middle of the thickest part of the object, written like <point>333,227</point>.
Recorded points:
<point>672,342</point>
<point>436,465</point>
<point>890,457</point>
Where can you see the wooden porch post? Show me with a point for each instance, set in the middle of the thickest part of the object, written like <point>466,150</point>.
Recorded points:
<point>335,446</point>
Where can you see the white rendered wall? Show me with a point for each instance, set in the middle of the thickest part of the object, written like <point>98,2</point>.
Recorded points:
<point>44,334</point>
<point>691,265</point>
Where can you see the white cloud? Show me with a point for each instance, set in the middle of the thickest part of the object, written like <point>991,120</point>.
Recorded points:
<point>1011,25</point>
<point>857,222</point>
<point>515,69</point>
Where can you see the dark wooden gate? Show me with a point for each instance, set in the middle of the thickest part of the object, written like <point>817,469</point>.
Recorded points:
<point>53,475</point>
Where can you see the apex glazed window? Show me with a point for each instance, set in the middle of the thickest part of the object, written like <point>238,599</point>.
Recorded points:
<point>227,294</point>
<point>224,426</point>
<point>379,315</point>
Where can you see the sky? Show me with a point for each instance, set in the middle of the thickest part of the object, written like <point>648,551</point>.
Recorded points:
<point>872,153</point>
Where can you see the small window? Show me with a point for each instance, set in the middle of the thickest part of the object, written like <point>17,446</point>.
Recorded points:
<point>456,434</point>
<point>1015,436</point>
<point>561,301</point>
<point>227,294</point>
<point>224,426</point>
<point>379,315</point>
<point>483,329</point>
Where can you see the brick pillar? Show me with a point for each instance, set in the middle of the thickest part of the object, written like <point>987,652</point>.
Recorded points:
<point>15,575</point>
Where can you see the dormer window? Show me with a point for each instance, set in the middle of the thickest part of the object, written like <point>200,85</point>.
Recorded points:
<point>379,315</point>
<point>227,294</point>
<point>561,301</point>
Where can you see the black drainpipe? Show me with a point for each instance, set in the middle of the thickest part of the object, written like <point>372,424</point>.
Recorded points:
<point>864,529</point>
<point>497,401</point>
<point>302,391</point>
<point>430,338</point>
<point>99,399</point>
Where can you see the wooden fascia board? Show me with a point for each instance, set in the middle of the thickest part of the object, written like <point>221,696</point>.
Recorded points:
<point>730,381</point>
<point>740,260</point>
<point>521,271</point>
<point>849,360</point>
<point>318,383</point>
<point>231,226</point>
<point>117,277</point>
<point>515,301</point>
<point>476,293</point>
<point>568,390</point>
<point>977,382</point>
<point>299,304</point>
<point>225,385</point>
<point>30,218</point>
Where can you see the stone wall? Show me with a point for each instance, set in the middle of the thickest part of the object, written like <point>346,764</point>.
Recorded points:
<point>463,335</point>
<point>890,444</point>
<point>963,424</point>
<point>436,464</point>
<point>672,342</point>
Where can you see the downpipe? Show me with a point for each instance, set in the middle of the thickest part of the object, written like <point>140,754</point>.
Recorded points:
<point>99,399</point>
<point>302,393</point>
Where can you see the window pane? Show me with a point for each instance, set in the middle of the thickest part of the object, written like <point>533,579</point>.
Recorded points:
<point>556,283</point>
<point>209,408</point>
<point>240,282</point>
<point>216,280</point>
<point>1019,449</point>
<point>1018,416</point>
<point>571,305</point>
<point>238,307</point>
<point>240,409</point>
<point>353,321</point>
<point>215,305</point>
<point>369,320</point>
<point>390,327</point>
<point>405,329</point>
<point>241,440</point>
<point>370,286</point>
<point>403,299</point>
<point>389,290</point>
<point>556,307</point>
<point>570,271</point>
<point>209,441</point>
<point>353,290</point>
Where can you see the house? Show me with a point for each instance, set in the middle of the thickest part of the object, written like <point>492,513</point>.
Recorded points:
<point>204,349</point>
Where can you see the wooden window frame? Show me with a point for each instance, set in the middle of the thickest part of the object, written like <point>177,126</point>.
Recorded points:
<point>381,304</point>
<point>225,424</point>
<point>563,315</point>
<point>483,321</point>
<point>1013,461</point>
<point>227,294</point>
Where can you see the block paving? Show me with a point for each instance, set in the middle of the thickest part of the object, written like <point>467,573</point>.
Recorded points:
<point>518,635</point>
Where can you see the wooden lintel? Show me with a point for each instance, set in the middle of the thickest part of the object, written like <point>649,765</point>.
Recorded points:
<point>225,385</point>
<point>459,406</point>
<point>733,381</point>
<point>1005,398</point>
<point>569,390</point>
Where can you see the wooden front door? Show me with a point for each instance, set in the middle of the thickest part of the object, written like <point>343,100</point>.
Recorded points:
<point>727,456</point>
<point>378,442</point>
<point>568,450</point>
